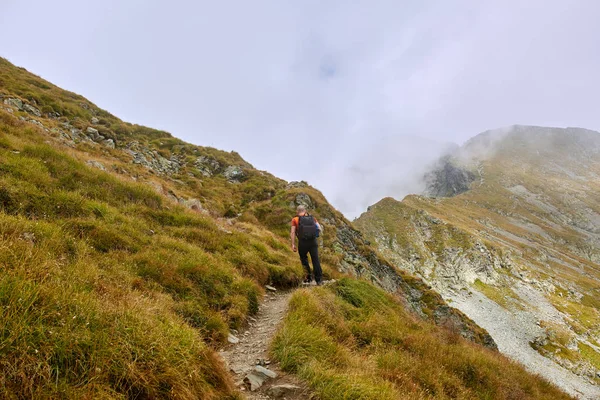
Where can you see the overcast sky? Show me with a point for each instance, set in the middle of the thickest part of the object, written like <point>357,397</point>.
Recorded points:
<point>353,96</point>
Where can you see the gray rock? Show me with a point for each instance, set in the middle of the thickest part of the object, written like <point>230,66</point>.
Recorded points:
<point>12,101</point>
<point>109,143</point>
<point>265,371</point>
<point>255,380</point>
<point>258,377</point>
<point>193,204</point>
<point>270,288</point>
<point>93,134</point>
<point>95,120</point>
<point>448,179</point>
<point>32,110</point>
<point>304,200</point>
<point>38,123</point>
<point>96,164</point>
<point>281,391</point>
<point>232,339</point>
<point>208,166</point>
<point>234,173</point>
<point>152,160</point>
<point>296,184</point>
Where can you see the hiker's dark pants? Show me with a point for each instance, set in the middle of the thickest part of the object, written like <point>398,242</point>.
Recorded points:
<point>304,248</point>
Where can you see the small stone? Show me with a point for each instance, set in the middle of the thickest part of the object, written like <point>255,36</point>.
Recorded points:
<point>109,143</point>
<point>95,120</point>
<point>265,371</point>
<point>232,339</point>
<point>270,288</point>
<point>96,164</point>
<point>281,391</point>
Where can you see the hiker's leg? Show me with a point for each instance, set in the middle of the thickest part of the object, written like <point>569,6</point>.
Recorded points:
<point>314,257</point>
<point>303,250</point>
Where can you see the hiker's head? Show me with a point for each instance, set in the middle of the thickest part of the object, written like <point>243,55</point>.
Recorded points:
<point>300,210</point>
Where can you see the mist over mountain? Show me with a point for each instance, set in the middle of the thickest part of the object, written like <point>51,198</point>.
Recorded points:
<point>391,165</point>
<point>509,233</point>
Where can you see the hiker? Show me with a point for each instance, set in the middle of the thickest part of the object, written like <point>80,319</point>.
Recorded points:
<point>306,228</point>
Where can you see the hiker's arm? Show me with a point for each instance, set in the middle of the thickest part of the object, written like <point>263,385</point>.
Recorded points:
<point>293,237</point>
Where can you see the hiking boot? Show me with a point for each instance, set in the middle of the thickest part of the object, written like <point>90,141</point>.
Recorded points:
<point>307,281</point>
<point>320,283</point>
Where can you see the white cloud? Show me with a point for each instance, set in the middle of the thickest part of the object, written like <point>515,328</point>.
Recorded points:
<point>355,82</point>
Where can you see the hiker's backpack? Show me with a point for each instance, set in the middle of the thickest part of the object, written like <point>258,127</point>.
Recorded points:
<point>307,227</point>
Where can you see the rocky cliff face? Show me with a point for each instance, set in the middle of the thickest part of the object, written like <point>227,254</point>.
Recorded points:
<point>517,251</point>
<point>448,179</point>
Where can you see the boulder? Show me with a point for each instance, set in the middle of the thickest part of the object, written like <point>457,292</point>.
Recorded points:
<point>234,173</point>
<point>296,184</point>
<point>32,110</point>
<point>93,134</point>
<point>109,143</point>
<point>304,200</point>
<point>208,166</point>
<point>152,160</point>
<point>12,101</point>
<point>95,120</point>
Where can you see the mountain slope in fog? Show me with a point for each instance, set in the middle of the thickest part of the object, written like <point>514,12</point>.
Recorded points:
<point>512,238</point>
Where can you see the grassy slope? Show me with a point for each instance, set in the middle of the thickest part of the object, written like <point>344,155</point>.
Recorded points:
<point>475,214</point>
<point>110,290</point>
<point>352,341</point>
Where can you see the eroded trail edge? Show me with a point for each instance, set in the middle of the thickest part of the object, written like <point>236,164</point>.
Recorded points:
<point>246,357</point>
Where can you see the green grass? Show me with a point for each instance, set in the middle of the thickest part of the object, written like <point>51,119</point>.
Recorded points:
<point>107,290</point>
<point>501,295</point>
<point>353,341</point>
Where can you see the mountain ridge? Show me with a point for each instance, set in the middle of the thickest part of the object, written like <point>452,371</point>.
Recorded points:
<point>524,227</point>
<point>134,255</point>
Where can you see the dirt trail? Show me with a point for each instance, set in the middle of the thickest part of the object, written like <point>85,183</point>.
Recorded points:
<point>252,349</point>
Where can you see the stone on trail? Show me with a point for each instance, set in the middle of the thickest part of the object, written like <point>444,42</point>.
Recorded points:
<point>232,339</point>
<point>258,377</point>
<point>281,391</point>
<point>271,288</point>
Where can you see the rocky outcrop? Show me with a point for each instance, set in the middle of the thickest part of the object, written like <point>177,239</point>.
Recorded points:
<point>32,110</point>
<point>234,174</point>
<point>14,102</point>
<point>448,179</point>
<point>152,160</point>
<point>207,166</point>
<point>359,260</point>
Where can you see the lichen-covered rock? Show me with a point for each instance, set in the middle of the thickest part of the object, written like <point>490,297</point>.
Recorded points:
<point>234,173</point>
<point>304,200</point>
<point>109,143</point>
<point>296,184</point>
<point>94,120</point>
<point>207,166</point>
<point>32,110</point>
<point>152,160</point>
<point>13,101</point>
